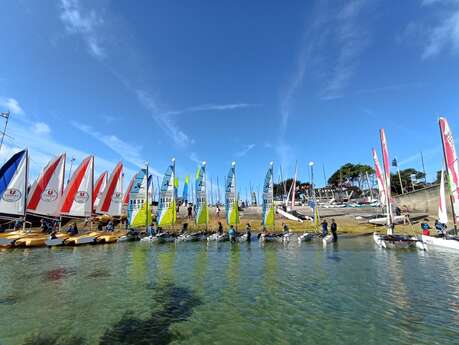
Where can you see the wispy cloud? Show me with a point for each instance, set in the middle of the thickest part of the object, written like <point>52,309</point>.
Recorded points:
<point>128,152</point>
<point>165,122</point>
<point>444,36</point>
<point>394,87</point>
<point>194,157</point>
<point>84,23</point>
<point>41,128</point>
<point>351,42</point>
<point>246,149</point>
<point>12,105</point>
<point>209,107</point>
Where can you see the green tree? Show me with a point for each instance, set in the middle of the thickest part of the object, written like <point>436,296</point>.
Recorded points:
<point>407,181</point>
<point>353,173</point>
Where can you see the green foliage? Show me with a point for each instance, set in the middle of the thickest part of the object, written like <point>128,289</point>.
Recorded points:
<point>353,173</point>
<point>408,184</point>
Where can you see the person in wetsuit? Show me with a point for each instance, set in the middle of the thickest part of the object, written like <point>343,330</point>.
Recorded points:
<point>324,228</point>
<point>248,231</point>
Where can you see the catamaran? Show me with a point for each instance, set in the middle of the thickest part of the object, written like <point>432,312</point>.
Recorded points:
<point>268,214</point>
<point>231,204</point>
<point>77,202</point>
<point>13,194</point>
<point>390,240</point>
<point>201,206</point>
<point>166,214</point>
<point>448,239</point>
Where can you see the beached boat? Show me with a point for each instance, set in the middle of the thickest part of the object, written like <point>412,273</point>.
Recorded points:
<point>192,237</point>
<point>110,237</point>
<point>389,240</point>
<point>288,215</point>
<point>448,239</point>
<point>86,238</point>
<point>139,207</point>
<point>305,237</point>
<point>383,220</point>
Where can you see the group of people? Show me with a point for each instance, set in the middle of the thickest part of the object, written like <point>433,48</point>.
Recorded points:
<point>440,227</point>
<point>333,229</point>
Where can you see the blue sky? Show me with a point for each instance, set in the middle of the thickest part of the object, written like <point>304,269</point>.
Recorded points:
<point>251,81</point>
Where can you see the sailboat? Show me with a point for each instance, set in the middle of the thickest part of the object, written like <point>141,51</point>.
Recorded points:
<point>268,214</point>
<point>111,201</point>
<point>77,202</point>
<point>127,194</point>
<point>13,193</point>
<point>166,214</point>
<point>139,205</point>
<point>390,240</point>
<point>99,187</point>
<point>201,206</point>
<point>381,219</point>
<point>448,240</point>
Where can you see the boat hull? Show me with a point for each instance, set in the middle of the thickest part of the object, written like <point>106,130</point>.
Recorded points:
<point>327,239</point>
<point>394,242</point>
<point>307,236</point>
<point>383,220</point>
<point>430,241</point>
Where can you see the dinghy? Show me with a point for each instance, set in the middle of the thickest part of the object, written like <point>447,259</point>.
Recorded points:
<point>201,215</point>
<point>218,237</point>
<point>231,202</point>
<point>139,206</point>
<point>193,237</point>
<point>388,241</point>
<point>447,240</point>
<point>327,239</point>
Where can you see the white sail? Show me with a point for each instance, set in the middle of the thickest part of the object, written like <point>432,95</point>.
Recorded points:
<point>442,212</point>
<point>99,188</point>
<point>78,195</point>
<point>111,201</point>
<point>45,194</point>
<point>13,184</point>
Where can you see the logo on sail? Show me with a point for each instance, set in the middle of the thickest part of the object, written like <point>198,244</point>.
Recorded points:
<point>11,195</point>
<point>117,196</point>
<point>81,197</point>
<point>49,195</point>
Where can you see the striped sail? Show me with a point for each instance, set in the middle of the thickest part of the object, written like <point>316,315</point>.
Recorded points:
<point>78,195</point>
<point>231,200</point>
<point>111,201</point>
<point>380,179</point>
<point>442,212</point>
<point>185,189</point>
<point>268,198</point>
<point>166,213</point>
<point>99,187</point>
<point>128,190</point>
<point>46,192</point>
<point>452,169</point>
<point>139,209</point>
<point>13,184</point>
<point>202,211</point>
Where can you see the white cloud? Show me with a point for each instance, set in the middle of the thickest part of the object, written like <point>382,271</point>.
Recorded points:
<point>209,107</point>
<point>165,122</point>
<point>41,128</point>
<point>84,23</point>
<point>129,152</point>
<point>12,105</point>
<point>245,150</point>
<point>443,36</point>
<point>194,157</point>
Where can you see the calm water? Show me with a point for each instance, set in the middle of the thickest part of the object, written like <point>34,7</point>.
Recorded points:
<point>135,293</point>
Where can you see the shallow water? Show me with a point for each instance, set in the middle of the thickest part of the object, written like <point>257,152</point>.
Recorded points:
<point>194,293</point>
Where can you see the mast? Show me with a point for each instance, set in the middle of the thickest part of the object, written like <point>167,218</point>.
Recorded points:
<point>236,194</point>
<point>386,178</point>
<point>211,191</point>
<point>147,210</point>
<point>451,198</point>
<point>25,188</point>
<point>173,194</point>
<point>218,192</point>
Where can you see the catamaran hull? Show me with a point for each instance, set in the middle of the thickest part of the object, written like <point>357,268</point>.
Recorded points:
<point>383,220</point>
<point>327,239</point>
<point>191,238</point>
<point>441,242</point>
<point>281,239</point>
<point>289,215</point>
<point>394,243</point>
<point>217,237</point>
<point>307,236</point>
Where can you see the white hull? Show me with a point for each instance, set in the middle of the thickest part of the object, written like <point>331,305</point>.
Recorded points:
<point>383,220</point>
<point>430,241</point>
<point>158,239</point>
<point>327,239</point>
<point>288,215</point>
<point>242,238</point>
<point>281,239</point>
<point>396,242</point>
<point>55,242</point>
<point>217,237</point>
<point>191,238</point>
<point>307,236</point>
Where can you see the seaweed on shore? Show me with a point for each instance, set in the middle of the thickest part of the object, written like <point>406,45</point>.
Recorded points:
<point>177,305</point>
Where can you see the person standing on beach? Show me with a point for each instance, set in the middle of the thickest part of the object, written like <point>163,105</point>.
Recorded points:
<point>334,229</point>
<point>190,211</point>
<point>324,228</point>
<point>218,211</point>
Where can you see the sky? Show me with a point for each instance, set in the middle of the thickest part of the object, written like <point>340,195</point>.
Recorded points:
<point>222,81</point>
